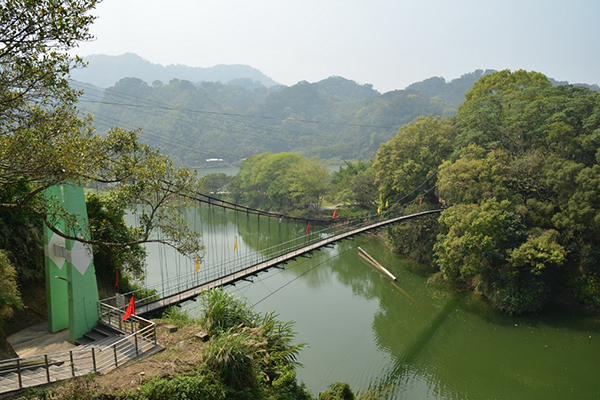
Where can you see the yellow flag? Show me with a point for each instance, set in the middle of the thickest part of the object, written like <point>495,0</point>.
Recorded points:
<point>235,244</point>
<point>379,210</point>
<point>197,264</point>
<point>386,203</point>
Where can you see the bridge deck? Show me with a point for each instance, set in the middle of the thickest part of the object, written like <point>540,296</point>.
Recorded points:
<point>265,265</point>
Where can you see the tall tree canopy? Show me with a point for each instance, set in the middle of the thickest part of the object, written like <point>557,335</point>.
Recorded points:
<point>413,156</point>
<point>521,168</point>
<point>43,142</point>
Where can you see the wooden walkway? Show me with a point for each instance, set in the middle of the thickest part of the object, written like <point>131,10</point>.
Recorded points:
<point>177,298</point>
<point>100,356</point>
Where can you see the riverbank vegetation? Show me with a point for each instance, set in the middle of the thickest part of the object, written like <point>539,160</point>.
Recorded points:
<point>519,164</point>
<point>286,182</point>
<point>249,356</point>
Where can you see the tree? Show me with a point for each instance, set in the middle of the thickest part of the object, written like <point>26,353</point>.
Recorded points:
<point>307,182</point>
<point>474,176</point>
<point>534,148</point>
<point>337,391</point>
<point>215,183</point>
<point>107,224</point>
<point>283,181</point>
<point>10,298</point>
<point>487,248</point>
<point>43,142</point>
<point>412,157</point>
<point>355,184</point>
<point>503,82</point>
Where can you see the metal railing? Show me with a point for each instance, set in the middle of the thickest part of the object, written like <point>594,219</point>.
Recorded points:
<point>217,272</point>
<point>19,373</point>
<point>209,273</point>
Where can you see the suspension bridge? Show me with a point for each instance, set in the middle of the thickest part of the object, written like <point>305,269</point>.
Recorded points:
<point>251,241</point>
<point>293,239</point>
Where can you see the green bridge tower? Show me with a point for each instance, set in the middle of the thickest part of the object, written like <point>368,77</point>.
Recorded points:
<point>71,286</point>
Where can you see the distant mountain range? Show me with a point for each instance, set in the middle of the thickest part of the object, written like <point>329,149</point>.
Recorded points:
<point>232,112</point>
<point>104,71</point>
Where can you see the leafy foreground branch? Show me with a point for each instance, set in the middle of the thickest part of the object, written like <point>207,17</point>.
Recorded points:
<point>248,356</point>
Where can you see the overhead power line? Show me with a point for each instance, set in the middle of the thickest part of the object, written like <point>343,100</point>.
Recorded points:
<point>188,110</point>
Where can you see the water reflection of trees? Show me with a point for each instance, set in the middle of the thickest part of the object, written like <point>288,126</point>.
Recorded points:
<point>425,329</point>
<point>257,232</point>
<point>453,345</point>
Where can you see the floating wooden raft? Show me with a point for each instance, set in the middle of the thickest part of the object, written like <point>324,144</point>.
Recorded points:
<point>365,256</point>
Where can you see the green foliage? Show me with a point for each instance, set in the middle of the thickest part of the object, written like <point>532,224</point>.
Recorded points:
<point>10,298</point>
<point>337,391</point>
<point>274,120</point>
<point>488,249</point>
<point>283,181</point>
<point>107,224</point>
<point>355,184</point>
<point>223,311</point>
<point>182,387</point>
<point>503,83</point>
<point>177,316</point>
<point>414,238</point>
<point>21,236</point>
<point>286,387</point>
<point>473,176</point>
<point>412,157</point>
<point>476,239</point>
<point>520,162</point>
<point>215,183</point>
<point>524,180</point>
<point>44,143</point>
<point>231,354</point>
<point>249,352</point>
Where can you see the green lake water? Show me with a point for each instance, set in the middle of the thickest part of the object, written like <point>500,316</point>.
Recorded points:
<point>419,340</point>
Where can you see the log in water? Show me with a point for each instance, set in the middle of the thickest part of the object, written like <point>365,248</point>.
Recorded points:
<point>367,257</point>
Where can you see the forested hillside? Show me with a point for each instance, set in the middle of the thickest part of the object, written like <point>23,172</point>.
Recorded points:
<point>333,119</point>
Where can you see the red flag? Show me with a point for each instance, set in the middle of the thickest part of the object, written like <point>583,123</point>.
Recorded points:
<point>421,201</point>
<point>130,309</point>
<point>308,228</point>
<point>117,278</point>
<point>334,214</point>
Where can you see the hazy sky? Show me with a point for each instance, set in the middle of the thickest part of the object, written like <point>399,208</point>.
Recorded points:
<point>388,43</point>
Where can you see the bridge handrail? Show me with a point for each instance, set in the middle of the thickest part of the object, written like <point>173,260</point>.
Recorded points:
<point>263,255</point>
<point>178,283</point>
<point>79,361</point>
<point>215,272</point>
<point>108,310</point>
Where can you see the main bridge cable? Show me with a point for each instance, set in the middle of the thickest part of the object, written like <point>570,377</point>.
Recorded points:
<point>204,198</point>
<point>225,204</point>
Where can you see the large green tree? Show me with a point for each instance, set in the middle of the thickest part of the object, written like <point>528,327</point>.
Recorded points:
<point>407,164</point>
<point>282,181</point>
<point>355,184</point>
<point>520,165</point>
<point>532,148</point>
<point>44,142</point>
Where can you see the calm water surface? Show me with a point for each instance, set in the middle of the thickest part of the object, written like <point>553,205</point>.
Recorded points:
<point>422,341</point>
